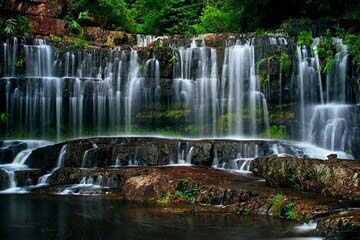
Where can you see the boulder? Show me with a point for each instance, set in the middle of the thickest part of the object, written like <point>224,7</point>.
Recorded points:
<point>335,178</point>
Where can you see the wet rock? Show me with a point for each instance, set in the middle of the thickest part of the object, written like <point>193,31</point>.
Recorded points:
<point>196,187</point>
<point>336,178</point>
<point>9,150</point>
<point>341,225</point>
<point>27,177</point>
<point>4,180</point>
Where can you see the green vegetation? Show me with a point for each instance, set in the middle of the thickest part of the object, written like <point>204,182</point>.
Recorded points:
<point>3,118</point>
<point>277,132</point>
<point>286,63</point>
<point>18,26</point>
<point>215,19</point>
<point>327,51</point>
<point>305,38</point>
<point>281,207</point>
<point>199,16</point>
<point>72,43</point>
<point>185,191</point>
<point>353,41</point>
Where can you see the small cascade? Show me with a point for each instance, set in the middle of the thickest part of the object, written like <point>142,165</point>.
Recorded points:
<point>86,161</point>
<point>240,94</point>
<point>92,184</point>
<point>145,40</point>
<point>43,180</point>
<point>184,153</point>
<point>196,85</point>
<point>19,164</point>
<point>39,59</point>
<point>246,153</point>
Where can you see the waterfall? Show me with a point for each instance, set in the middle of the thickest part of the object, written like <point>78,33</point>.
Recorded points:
<point>10,52</point>
<point>246,153</point>
<point>43,180</point>
<point>144,40</point>
<point>329,126</point>
<point>85,160</point>
<point>184,153</point>
<point>196,85</point>
<point>241,97</point>
<point>309,83</point>
<point>325,118</point>
<point>19,164</point>
<point>134,91</point>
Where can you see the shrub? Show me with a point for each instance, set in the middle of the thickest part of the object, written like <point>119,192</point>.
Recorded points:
<point>353,41</point>
<point>305,38</point>
<point>277,132</point>
<point>283,208</point>
<point>185,190</point>
<point>327,51</point>
<point>294,25</point>
<point>19,26</point>
<point>214,20</point>
<point>285,62</point>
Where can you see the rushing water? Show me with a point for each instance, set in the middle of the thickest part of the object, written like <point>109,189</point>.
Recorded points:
<point>31,217</point>
<point>325,118</point>
<point>212,92</point>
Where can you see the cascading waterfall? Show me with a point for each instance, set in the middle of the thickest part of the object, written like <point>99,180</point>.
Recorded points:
<point>324,115</point>
<point>196,85</point>
<point>19,164</point>
<point>329,126</point>
<point>241,98</point>
<point>98,91</point>
<point>76,91</point>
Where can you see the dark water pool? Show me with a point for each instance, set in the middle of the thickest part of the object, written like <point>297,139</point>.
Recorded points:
<point>29,217</point>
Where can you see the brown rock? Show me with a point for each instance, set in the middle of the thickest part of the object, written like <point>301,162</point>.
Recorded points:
<point>345,224</point>
<point>48,26</point>
<point>336,178</point>
<point>42,8</point>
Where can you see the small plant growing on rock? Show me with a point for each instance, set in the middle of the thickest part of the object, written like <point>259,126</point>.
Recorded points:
<point>165,198</point>
<point>283,208</point>
<point>187,191</point>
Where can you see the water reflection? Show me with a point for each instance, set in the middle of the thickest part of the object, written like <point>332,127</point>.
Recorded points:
<point>30,217</point>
